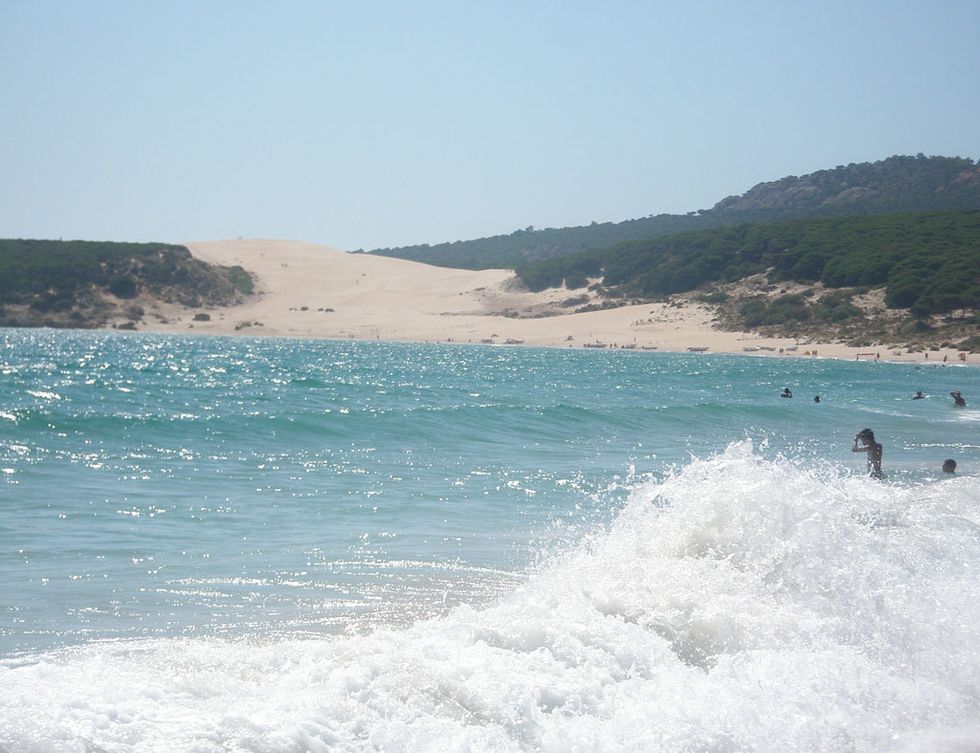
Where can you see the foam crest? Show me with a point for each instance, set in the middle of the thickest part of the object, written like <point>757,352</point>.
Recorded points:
<point>739,604</point>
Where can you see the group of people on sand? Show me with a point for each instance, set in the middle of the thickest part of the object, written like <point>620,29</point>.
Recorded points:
<point>869,445</point>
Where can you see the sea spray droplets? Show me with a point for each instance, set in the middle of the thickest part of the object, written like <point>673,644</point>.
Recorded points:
<point>345,491</point>
<point>738,604</point>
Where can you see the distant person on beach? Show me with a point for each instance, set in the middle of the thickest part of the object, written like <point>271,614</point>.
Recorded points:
<point>918,395</point>
<point>786,392</point>
<point>949,466</point>
<point>874,450</point>
<point>958,400</point>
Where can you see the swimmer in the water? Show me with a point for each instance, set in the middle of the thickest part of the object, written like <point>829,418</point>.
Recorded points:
<point>874,450</point>
<point>949,466</point>
<point>786,392</point>
<point>918,395</point>
<point>958,400</point>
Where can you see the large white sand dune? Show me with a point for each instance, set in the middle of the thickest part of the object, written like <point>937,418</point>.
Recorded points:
<point>308,290</point>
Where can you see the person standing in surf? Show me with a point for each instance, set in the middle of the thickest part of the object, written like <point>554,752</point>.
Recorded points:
<point>874,450</point>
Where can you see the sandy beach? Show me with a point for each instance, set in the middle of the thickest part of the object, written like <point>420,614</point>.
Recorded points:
<point>309,290</point>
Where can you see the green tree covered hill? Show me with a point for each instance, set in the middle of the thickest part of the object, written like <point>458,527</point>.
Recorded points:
<point>928,262</point>
<point>85,283</point>
<point>894,185</point>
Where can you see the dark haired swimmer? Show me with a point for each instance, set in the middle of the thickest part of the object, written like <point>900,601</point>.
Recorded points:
<point>949,466</point>
<point>874,450</point>
<point>958,400</point>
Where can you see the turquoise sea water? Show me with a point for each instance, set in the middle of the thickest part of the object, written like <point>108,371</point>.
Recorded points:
<point>239,544</point>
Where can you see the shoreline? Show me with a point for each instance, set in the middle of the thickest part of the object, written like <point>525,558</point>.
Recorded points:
<point>892,359</point>
<point>304,290</point>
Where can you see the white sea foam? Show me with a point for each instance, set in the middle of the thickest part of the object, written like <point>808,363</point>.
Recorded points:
<point>740,604</point>
<point>44,394</point>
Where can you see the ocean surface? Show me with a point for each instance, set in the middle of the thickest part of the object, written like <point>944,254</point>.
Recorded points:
<point>269,545</point>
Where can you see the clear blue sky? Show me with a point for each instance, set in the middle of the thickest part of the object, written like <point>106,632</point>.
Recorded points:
<point>366,124</point>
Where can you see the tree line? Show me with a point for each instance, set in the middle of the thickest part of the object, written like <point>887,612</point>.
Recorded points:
<point>890,186</point>
<point>927,261</point>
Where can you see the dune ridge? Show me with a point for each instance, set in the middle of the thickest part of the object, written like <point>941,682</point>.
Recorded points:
<point>309,290</point>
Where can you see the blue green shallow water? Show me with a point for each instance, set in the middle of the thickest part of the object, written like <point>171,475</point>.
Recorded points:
<point>229,489</point>
<point>166,485</point>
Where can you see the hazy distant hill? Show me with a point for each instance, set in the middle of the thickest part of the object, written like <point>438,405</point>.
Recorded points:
<point>896,184</point>
<point>86,283</point>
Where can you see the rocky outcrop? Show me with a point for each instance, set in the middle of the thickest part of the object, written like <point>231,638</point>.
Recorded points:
<point>894,184</point>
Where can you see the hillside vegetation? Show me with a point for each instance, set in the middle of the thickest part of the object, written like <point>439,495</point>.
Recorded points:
<point>912,278</point>
<point>928,262</point>
<point>87,283</point>
<point>894,185</point>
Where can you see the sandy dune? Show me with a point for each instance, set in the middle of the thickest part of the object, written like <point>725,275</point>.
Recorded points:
<point>307,290</point>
